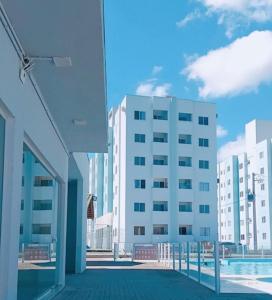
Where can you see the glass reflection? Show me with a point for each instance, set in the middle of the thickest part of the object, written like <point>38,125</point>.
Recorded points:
<point>2,145</point>
<point>38,229</point>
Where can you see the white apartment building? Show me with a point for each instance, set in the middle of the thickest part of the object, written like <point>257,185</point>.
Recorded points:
<point>244,190</point>
<point>164,170</point>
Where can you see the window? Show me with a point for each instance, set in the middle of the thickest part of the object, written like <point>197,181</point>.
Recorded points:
<point>203,142</point>
<point>241,179</point>
<point>205,231</point>
<point>241,194</point>
<point>160,160</point>
<point>261,155</point>
<point>203,120</point>
<point>242,208</point>
<point>229,195</point>
<point>185,139</point>
<point>264,236</point>
<point>263,203</point>
<point>203,164</point>
<point>185,229</point>
<point>139,138</point>
<point>185,184</point>
<point>43,181</point>
<point>160,137</point>
<point>204,186</point>
<point>228,182</point>
<point>185,161</point>
<point>242,237</point>
<point>139,184</point>
<point>241,166</point>
<point>262,187</point>
<point>22,204</point>
<point>228,169</point>
<point>160,229</point>
<point>160,114</point>
<point>160,183</point>
<point>185,207</point>
<point>242,222</point>
<point>38,230</point>
<point>160,206</point>
<point>42,205</point>
<point>186,117</point>
<point>139,115</point>
<point>41,228</point>
<point>139,230</point>
<point>139,206</point>
<point>262,171</point>
<point>139,161</point>
<point>204,208</point>
<point>229,209</point>
<point>263,219</point>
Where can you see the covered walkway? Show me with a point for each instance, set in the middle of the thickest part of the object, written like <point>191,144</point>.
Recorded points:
<point>123,280</point>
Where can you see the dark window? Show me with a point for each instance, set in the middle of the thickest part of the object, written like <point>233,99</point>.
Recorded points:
<point>160,206</point>
<point>185,207</point>
<point>185,230</point>
<point>185,139</point>
<point>139,206</point>
<point>139,138</point>
<point>160,115</point>
<point>139,161</point>
<point>41,228</point>
<point>139,115</point>
<point>203,120</point>
<point>203,142</point>
<point>139,230</point>
<point>185,161</point>
<point>42,205</point>
<point>139,184</point>
<point>185,117</point>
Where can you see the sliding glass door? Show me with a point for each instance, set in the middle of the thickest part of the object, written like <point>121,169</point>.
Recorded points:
<point>37,261</point>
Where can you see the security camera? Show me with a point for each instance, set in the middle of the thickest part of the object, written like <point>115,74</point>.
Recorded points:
<point>26,60</point>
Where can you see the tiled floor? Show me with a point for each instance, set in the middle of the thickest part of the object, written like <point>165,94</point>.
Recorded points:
<point>105,280</point>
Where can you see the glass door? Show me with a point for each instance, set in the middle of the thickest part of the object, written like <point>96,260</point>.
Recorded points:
<point>37,261</point>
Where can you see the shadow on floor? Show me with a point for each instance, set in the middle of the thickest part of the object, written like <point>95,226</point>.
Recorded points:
<point>136,284</point>
<point>112,263</point>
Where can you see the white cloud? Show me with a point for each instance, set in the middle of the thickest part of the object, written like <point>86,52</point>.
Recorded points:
<point>152,89</point>
<point>234,13</point>
<point>232,148</point>
<point>156,70</point>
<point>237,68</point>
<point>221,131</point>
<point>189,18</point>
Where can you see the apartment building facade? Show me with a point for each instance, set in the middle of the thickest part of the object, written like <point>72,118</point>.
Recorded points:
<point>164,170</point>
<point>244,190</point>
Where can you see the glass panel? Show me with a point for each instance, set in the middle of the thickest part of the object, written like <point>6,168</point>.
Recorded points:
<point>2,144</point>
<point>207,259</point>
<point>38,229</point>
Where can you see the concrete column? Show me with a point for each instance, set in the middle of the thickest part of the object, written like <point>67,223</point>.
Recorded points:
<point>12,189</point>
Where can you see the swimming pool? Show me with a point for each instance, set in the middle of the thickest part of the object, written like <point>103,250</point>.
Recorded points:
<point>247,266</point>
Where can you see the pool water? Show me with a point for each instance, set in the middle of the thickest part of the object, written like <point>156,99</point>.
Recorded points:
<point>246,267</point>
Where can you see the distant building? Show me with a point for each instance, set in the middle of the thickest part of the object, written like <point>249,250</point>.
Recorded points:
<point>163,171</point>
<point>244,190</point>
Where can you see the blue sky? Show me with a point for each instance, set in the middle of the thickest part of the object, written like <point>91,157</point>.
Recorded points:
<point>164,47</point>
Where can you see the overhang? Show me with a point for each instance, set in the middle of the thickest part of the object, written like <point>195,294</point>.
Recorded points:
<point>75,93</point>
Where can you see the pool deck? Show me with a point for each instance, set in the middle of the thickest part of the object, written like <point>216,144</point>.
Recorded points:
<point>123,280</point>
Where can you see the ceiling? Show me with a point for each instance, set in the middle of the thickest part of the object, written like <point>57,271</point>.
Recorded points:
<point>74,29</point>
